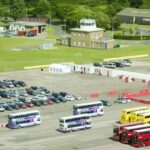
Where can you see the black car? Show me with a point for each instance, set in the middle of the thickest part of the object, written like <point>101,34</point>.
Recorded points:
<point>5,94</point>
<point>97,64</point>
<point>21,83</point>
<point>119,64</point>
<point>55,100</point>
<point>106,103</point>
<point>36,102</point>
<point>55,94</point>
<point>31,92</point>
<point>63,94</point>
<point>61,98</point>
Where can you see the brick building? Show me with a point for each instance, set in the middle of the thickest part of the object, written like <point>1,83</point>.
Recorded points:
<point>87,36</point>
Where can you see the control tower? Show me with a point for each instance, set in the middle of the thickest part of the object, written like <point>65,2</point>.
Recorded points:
<point>87,24</point>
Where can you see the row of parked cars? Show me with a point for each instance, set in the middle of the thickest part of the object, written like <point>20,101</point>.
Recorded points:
<point>13,93</point>
<point>38,100</point>
<point>11,84</point>
<point>114,64</point>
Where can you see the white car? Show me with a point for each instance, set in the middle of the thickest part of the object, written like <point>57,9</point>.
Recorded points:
<point>2,109</point>
<point>77,97</point>
<point>126,62</point>
<point>109,65</point>
<point>123,100</point>
<point>69,98</point>
<point>41,97</point>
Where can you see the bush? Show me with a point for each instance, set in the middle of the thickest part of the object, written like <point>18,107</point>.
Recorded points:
<point>132,37</point>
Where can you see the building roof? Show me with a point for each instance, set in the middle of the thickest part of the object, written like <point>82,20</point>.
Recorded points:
<point>87,30</point>
<point>27,23</point>
<point>134,12</point>
<point>87,21</point>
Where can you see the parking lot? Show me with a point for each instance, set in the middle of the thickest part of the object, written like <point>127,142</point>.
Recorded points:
<point>46,136</point>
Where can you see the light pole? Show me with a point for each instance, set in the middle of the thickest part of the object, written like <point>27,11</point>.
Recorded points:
<point>26,15</point>
<point>141,35</point>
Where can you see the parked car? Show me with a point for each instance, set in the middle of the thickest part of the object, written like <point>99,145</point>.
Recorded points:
<point>118,64</point>
<point>22,92</point>
<point>15,83</point>
<point>2,85</point>
<point>20,104</point>
<point>106,103</point>
<point>13,93</point>
<point>4,94</point>
<point>8,84</point>
<point>6,106</point>
<point>109,65</point>
<point>77,97</point>
<point>69,98</point>
<point>2,109</point>
<point>61,98</point>
<point>13,105</point>
<point>22,83</point>
<point>55,100</point>
<point>123,100</point>
<point>63,94</point>
<point>36,102</point>
<point>126,62</point>
<point>27,101</point>
<point>97,64</point>
<point>31,92</point>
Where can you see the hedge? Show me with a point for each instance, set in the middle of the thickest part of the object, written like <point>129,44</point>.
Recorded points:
<point>132,37</point>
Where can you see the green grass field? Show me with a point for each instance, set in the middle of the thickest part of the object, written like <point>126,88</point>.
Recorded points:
<point>16,60</point>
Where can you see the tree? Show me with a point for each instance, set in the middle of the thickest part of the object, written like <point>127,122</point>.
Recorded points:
<point>102,20</point>
<point>136,3</point>
<point>115,22</point>
<point>4,12</point>
<point>62,11</point>
<point>77,14</point>
<point>17,9</point>
<point>42,9</point>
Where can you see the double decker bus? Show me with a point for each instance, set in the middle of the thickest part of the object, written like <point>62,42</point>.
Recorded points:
<point>144,117</point>
<point>24,119</point>
<point>135,115</point>
<point>126,113</point>
<point>77,122</point>
<point>118,129</point>
<point>141,138</point>
<point>92,108</point>
<point>128,132</point>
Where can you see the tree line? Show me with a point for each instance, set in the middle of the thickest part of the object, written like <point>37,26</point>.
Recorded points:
<point>70,11</point>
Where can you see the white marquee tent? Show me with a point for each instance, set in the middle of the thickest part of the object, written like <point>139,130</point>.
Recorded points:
<point>59,68</point>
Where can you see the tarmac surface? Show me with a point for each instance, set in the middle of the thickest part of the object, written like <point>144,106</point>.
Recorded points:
<point>46,136</point>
